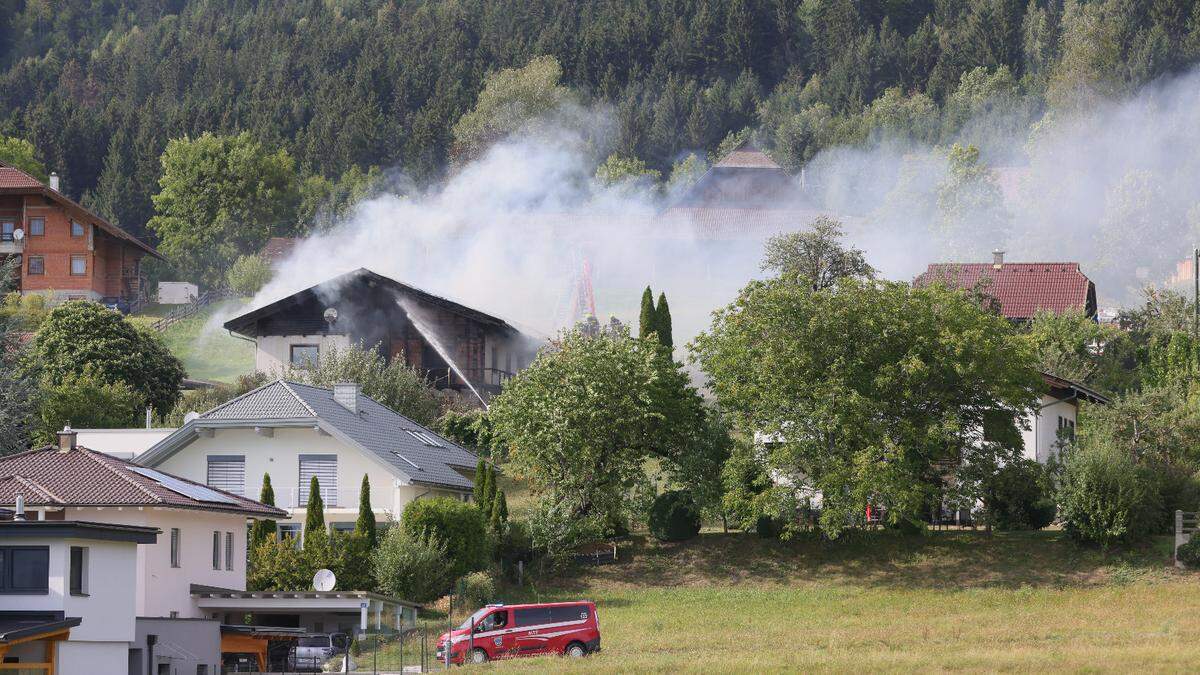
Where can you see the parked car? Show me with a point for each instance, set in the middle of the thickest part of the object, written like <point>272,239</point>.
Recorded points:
<point>506,631</point>
<point>312,651</point>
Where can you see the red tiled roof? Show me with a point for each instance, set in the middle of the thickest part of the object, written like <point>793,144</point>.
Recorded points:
<point>83,477</point>
<point>15,178</point>
<point>1023,289</point>
<point>278,248</point>
<point>748,156</point>
<point>15,181</point>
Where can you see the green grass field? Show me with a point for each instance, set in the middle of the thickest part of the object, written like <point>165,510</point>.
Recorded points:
<point>882,602</point>
<point>207,350</point>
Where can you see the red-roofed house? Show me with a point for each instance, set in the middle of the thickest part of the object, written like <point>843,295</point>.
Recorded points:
<point>67,251</point>
<point>1021,289</point>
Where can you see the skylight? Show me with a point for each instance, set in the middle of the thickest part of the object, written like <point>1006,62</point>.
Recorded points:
<point>425,438</point>
<point>197,492</point>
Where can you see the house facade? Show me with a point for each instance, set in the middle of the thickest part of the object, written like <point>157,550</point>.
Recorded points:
<point>455,346</point>
<point>1046,429</point>
<point>294,432</point>
<point>67,252</point>
<point>66,594</point>
<point>204,530</point>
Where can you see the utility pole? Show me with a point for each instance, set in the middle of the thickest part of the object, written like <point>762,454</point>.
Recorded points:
<point>1196,294</point>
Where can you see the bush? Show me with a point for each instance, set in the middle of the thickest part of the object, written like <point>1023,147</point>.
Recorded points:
<point>558,530</point>
<point>674,517</point>
<point>248,274</point>
<point>1106,498</point>
<point>516,543</point>
<point>459,525</point>
<point>1178,490</point>
<point>86,401</point>
<point>1016,497</point>
<point>411,567</point>
<point>768,527</point>
<point>475,589</point>
<point>1189,553</point>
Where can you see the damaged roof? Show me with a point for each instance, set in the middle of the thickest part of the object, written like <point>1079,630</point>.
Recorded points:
<point>379,431</point>
<point>246,324</point>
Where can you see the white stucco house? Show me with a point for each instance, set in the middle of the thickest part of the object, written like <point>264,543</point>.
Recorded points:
<point>66,602</point>
<point>294,432</point>
<point>204,530</point>
<point>1045,429</point>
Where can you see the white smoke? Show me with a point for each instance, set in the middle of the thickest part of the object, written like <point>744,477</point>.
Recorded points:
<point>1112,188</point>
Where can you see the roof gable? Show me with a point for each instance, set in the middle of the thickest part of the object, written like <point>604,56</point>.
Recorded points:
<point>274,400</point>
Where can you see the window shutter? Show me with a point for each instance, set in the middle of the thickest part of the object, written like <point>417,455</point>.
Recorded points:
<point>228,473</point>
<point>324,467</point>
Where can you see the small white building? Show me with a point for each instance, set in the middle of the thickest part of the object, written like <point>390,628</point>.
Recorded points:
<point>122,443</point>
<point>66,595</point>
<point>1052,423</point>
<point>176,292</point>
<point>204,530</point>
<point>294,432</point>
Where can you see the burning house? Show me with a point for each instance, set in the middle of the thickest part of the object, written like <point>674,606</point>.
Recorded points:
<point>457,347</point>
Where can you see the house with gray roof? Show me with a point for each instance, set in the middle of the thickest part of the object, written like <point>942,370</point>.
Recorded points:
<point>293,432</point>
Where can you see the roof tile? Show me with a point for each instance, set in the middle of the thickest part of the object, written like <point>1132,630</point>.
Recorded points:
<point>1023,289</point>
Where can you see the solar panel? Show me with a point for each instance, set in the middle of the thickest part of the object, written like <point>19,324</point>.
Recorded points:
<point>197,492</point>
<point>424,438</point>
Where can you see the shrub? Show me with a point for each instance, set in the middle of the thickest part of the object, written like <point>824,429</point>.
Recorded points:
<point>475,589</point>
<point>248,274</point>
<point>412,567</point>
<point>768,527</point>
<point>1177,489</point>
<point>516,543</point>
<point>86,401</point>
<point>459,525</point>
<point>1016,497</point>
<point>1189,553</point>
<point>558,529</point>
<point>674,517</point>
<point>1106,498</point>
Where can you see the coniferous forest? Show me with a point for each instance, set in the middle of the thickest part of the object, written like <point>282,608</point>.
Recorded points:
<point>100,86</point>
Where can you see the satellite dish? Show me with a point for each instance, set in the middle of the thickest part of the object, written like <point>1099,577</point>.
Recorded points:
<point>331,316</point>
<point>18,234</point>
<point>324,580</point>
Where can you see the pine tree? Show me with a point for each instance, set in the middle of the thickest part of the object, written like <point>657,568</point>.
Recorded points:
<point>365,526</point>
<point>314,515</point>
<point>662,322</point>
<point>648,320</point>
<point>264,529</point>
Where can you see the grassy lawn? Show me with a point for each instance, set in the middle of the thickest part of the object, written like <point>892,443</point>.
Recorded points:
<point>883,602</point>
<point>207,350</point>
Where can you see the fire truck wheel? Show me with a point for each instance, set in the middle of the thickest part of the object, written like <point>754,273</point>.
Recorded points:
<point>575,650</point>
<point>479,656</point>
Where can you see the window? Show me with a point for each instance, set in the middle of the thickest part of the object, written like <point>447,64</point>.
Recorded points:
<point>7,228</point>
<point>76,229</point>
<point>229,550</point>
<point>37,264</point>
<point>37,227</point>
<point>174,547</point>
<point>425,438</point>
<point>201,669</point>
<point>304,356</point>
<point>25,569</point>
<point>342,528</point>
<point>290,531</point>
<point>533,616</point>
<point>228,473</point>
<point>568,613</point>
<point>78,265</point>
<point>216,550</point>
<point>494,621</point>
<point>324,468</point>
<point>79,558</point>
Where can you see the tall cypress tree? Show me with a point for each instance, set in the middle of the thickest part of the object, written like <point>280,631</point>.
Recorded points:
<point>314,514</point>
<point>497,518</point>
<point>662,322</point>
<point>648,320</point>
<point>264,529</point>
<point>365,526</point>
<point>481,469</point>
<point>485,494</point>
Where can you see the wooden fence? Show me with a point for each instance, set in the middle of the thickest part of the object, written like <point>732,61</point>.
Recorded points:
<point>184,311</point>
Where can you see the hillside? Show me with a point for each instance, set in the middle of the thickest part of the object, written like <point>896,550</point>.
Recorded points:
<point>99,88</point>
<point>879,601</point>
<point>207,351</point>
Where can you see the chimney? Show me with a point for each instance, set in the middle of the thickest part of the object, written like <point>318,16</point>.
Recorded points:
<point>54,181</point>
<point>19,513</point>
<point>346,394</point>
<point>66,439</point>
<point>997,259</point>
